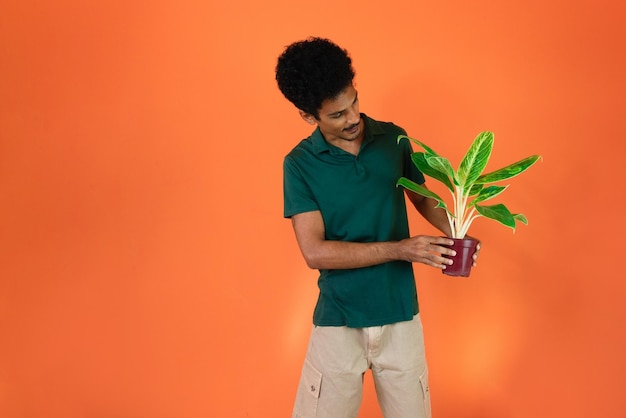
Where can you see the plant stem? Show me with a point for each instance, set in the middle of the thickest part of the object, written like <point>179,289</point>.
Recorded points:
<point>468,221</point>
<point>459,210</point>
<point>452,218</point>
<point>451,222</point>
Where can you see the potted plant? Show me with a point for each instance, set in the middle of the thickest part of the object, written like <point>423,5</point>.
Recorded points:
<point>470,188</point>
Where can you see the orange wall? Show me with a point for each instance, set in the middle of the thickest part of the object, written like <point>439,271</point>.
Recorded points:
<point>146,270</point>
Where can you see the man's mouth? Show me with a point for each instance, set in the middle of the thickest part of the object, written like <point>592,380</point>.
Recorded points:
<point>352,128</point>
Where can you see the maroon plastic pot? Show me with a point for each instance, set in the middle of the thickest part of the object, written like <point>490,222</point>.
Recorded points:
<point>463,260</point>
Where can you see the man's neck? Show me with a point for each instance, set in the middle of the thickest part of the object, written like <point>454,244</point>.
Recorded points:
<point>351,147</point>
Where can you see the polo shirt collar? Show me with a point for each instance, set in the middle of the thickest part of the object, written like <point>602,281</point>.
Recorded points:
<point>319,143</point>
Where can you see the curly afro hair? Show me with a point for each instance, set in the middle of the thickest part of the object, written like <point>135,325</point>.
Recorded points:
<point>312,71</point>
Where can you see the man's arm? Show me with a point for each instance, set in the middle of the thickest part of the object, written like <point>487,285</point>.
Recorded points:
<point>320,253</point>
<point>427,208</point>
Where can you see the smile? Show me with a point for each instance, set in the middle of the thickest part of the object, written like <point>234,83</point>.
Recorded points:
<point>352,128</point>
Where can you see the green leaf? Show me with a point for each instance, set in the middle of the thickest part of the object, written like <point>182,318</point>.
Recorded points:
<point>421,144</point>
<point>521,218</point>
<point>434,160</point>
<point>416,188</point>
<point>488,193</point>
<point>475,159</point>
<point>498,213</point>
<point>509,171</point>
<point>442,165</point>
<point>476,188</point>
<point>419,159</point>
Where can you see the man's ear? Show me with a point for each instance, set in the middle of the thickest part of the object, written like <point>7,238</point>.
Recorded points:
<point>307,117</point>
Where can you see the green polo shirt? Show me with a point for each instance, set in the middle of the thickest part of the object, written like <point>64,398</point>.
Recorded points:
<point>359,202</point>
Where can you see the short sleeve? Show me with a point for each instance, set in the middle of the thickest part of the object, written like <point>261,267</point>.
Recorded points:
<point>298,197</point>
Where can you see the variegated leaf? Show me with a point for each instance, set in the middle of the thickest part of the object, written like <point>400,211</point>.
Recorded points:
<point>488,193</point>
<point>498,213</point>
<point>475,160</point>
<point>419,159</point>
<point>509,171</point>
<point>416,188</point>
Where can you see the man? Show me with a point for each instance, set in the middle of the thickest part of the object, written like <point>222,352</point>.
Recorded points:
<point>351,224</point>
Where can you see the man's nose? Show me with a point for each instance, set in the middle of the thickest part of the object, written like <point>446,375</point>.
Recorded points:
<point>354,117</point>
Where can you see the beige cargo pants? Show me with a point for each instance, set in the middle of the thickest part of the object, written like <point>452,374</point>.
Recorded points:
<point>337,358</point>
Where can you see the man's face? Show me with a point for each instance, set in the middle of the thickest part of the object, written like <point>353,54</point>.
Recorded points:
<point>339,118</point>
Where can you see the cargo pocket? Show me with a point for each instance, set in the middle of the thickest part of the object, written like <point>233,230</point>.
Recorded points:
<point>425,393</point>
<point>308,392</point>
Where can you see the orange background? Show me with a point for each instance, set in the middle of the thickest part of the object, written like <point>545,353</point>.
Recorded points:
<point>146,270</point>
